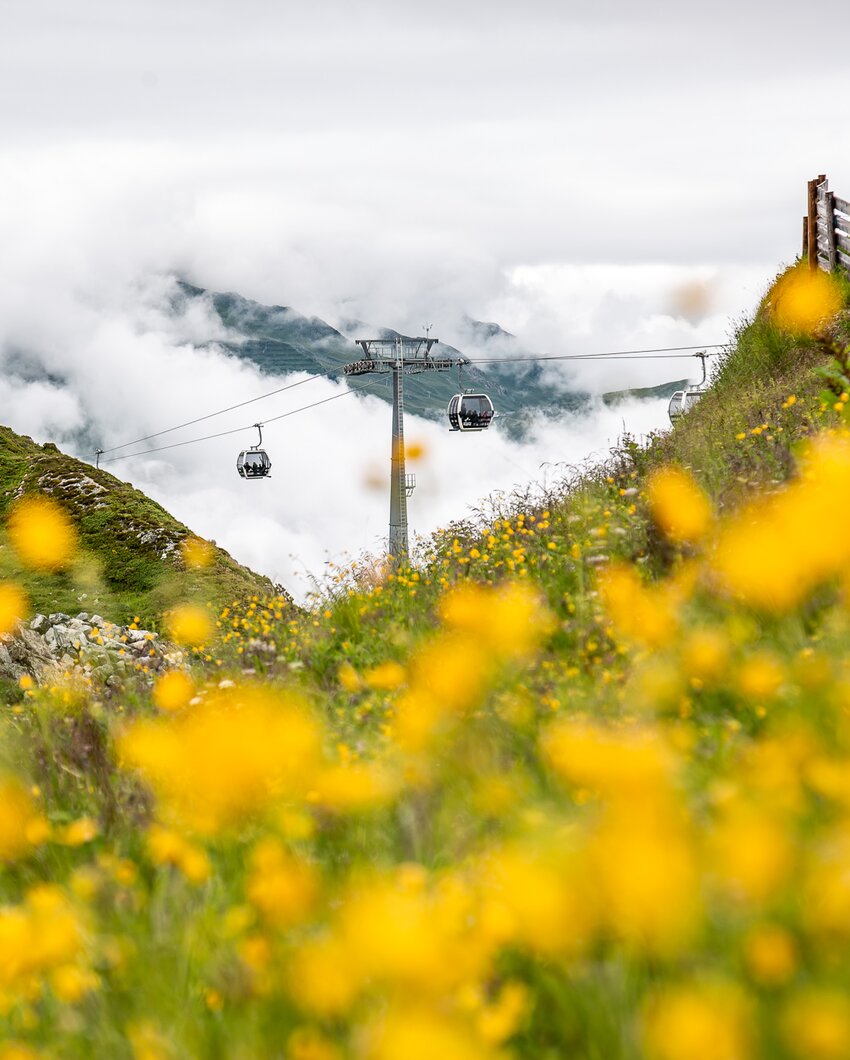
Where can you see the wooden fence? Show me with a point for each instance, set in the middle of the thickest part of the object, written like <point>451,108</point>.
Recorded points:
<point>826,228</point>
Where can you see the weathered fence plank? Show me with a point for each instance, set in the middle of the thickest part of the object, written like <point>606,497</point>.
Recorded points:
<point>813,224</point>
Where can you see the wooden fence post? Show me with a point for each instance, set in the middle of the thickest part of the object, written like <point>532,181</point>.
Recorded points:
<point>805,254</point>
<point>812,225</point>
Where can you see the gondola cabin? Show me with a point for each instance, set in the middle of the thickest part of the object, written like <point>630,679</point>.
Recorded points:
<point>683,401</point>
<point>254,463</point>
<point>470,412</point>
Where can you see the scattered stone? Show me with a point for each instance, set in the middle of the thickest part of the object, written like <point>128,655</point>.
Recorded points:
<point>66,642</point>
<point>22,653</point>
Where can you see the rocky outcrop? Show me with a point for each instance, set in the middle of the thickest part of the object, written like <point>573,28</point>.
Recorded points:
<point>85,645</point>
<point>23,653</point>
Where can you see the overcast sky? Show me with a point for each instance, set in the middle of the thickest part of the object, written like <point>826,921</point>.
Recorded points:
<point>586,174</point>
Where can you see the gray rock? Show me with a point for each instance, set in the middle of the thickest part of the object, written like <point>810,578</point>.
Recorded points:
<point>58,618</point>
<point>83,616</point>
<point>96,620</point>
<point>59,638</point>
<point>40,623</point>
<point>23,652</point>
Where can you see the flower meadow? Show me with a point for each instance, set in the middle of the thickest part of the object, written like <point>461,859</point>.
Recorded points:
<point>575,782</point>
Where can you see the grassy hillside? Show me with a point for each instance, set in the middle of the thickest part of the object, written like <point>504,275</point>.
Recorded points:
<point>130,562</point>
<point>573,783</point>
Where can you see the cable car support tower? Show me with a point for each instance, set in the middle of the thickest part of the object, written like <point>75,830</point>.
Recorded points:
<point>401,356</point>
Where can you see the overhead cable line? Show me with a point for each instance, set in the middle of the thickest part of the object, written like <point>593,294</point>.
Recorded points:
<point>211,415</point>
<point>634,355</point>
<point>648,354</point>
<point>236,430</point>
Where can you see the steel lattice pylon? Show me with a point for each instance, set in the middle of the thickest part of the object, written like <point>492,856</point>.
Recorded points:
<point>401,356</point>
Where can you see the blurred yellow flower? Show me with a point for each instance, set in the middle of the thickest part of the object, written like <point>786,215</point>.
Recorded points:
<point>173,690</point>
<point>710,1021</point>
<point>78,832</point>
<point>805,301</point>
<point>11,1050</point>
<point>42,934</point>
<point>679,507</point>
<point>42,534</point>
<point>348,678</point>
<point>816,1024</point>
<point>415,450</point>
<point>237,755</point>
<point>189,624</point>
<point>21,826</point>
<point>512,619</point>
<point>308,1043</point>
<point>705,654</point>
<point>646,614</point>
<point>386,677</point>
<point>197,553</point>
<point>775,551</point>
<point>354,786</point>
<point>169,848</point>
<point>415,1032</point>
<point>761,676</point>
<point>283,888</point>
<point>770,954</point>
<point>148,1043</point>
<point>321,978</point>
<point>750,852</point>
<point>13,606</point>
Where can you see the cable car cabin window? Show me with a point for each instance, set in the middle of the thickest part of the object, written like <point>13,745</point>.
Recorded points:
<point>683,401</point>
<point>470,412</point>
<point>675,408</point>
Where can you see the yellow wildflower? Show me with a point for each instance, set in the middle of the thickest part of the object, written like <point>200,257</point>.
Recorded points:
<point>282,887</point>
<point>816,1024</point>
<point>13,606</point>
<point>197,553</point>
<point>190,625</point>
<point>42,534</point>
<point>237,755</point>
<point>173,690</point>
<point>804,301</point>
<point>679,507</point>
<point>698,1022</point>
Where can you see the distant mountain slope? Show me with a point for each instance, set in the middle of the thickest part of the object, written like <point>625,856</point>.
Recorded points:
<point>278,339</point>
<point>130,560</point>
<point>645,393</point>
